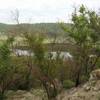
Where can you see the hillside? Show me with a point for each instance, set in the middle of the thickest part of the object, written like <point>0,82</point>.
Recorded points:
<point>87,91</point>
<point>45,28</point>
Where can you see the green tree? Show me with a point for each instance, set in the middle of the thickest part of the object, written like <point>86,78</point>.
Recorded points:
<point>44,68</point>
<point>83,34</point>
<point>6,68</point>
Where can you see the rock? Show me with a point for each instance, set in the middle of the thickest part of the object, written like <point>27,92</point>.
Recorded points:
<point>87,88</point>
<point>24,95</point>
<point>95,89</point>
<point>89,91</point>
<point>95,75</point>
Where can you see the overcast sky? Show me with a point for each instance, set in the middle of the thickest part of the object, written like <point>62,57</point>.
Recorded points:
<point>42,10</point>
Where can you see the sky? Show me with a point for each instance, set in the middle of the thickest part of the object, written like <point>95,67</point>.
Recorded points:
<point>42,11</point>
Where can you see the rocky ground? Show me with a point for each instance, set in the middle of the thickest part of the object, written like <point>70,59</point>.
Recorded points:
<point>88,91</point>
<point>36,94</point>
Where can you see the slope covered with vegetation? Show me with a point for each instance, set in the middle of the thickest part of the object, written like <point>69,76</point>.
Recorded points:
<point>39,69</point>
<point>50,29</point>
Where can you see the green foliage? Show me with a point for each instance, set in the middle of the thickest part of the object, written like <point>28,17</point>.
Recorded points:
<point>2,97</point>
<point>80,30</point>
<point>46,67</point>
<point>26,72</point>
<point>84,78</point>
<point>4,60</point>
<point>84,30</point>
<point>6,68</point>
<point>67,84</point>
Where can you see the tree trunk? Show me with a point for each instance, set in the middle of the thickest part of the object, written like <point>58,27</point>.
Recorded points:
<point>77,79</point>
<point>51,91</point>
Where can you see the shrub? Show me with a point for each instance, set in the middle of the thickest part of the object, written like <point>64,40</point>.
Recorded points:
<point>84,78</point>
<point>67,84</point>
<point>2,97</point>
<point>6,68</point>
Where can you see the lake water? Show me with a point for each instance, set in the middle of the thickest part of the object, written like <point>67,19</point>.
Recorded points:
<point>63,55</point>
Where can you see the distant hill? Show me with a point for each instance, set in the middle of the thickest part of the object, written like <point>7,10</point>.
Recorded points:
<point>3,27</point>
<point>46,28</point>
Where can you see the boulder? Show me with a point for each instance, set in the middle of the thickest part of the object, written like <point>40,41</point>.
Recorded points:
<point>95,75</point>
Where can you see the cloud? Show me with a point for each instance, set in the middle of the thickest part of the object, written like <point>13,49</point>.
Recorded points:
<point>43,10</point>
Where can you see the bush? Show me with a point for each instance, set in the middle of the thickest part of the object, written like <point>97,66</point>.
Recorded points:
<point>67,84</point>
<point>84,78</point>
<point>2,96</point>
